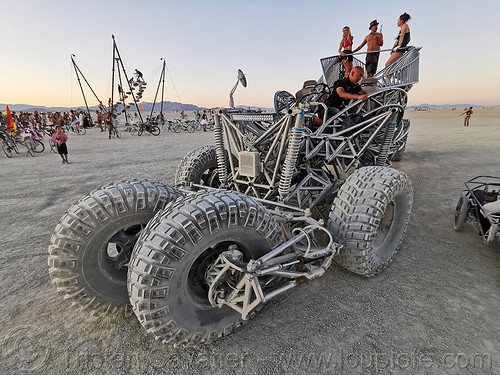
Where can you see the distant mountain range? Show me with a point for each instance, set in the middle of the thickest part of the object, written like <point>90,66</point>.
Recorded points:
<point>172,106</point>
<point>167,107</point>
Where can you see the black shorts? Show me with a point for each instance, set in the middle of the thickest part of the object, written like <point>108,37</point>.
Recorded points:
<point>400,49</point>
<point>372,62</point>
<point>347,58</point>
<point>62,149</point>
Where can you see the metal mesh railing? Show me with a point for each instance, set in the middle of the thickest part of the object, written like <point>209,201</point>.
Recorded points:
<point>403,71</point>
<point>333,69</point>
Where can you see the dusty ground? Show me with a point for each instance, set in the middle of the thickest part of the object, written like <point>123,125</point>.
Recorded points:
<point>435,310</point>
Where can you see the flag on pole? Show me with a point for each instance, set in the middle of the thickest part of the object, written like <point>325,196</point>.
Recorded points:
<point>11,126</point>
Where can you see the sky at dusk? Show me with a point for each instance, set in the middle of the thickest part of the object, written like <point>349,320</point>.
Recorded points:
<point>277,44</point>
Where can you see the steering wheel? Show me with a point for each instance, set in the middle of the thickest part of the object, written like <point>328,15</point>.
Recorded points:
<point>316,93</point>
<point>321,88</point>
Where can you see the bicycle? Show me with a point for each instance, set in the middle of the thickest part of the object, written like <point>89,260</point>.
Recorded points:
<point>113,130</point>
<point>11,141</point>
<point>78,129</point>
<point>52,143</point>
<point>31,141</point>
<point>75,128</point>
<point>151,129</point>
<point>6,148</point>
<point>186,126</point>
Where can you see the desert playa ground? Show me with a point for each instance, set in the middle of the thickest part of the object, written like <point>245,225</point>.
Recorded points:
<point>435,309</point>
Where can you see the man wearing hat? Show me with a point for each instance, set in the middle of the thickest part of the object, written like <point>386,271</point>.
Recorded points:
<point>374,40</point>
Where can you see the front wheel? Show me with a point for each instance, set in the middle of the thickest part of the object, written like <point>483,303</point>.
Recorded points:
<point>177,128</point>
<point>6,149</point>
<point>461,212</point>
<point>13,145</point>
<point>53,145</point>
<point>369,218</point>
<point>155,130</point>
<point>81,131</point>
<point>91,246</point>
<point>29,147</point>
<point>167,278</point>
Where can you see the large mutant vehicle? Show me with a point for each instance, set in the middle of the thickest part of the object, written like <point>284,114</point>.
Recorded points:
<point>269,206</point>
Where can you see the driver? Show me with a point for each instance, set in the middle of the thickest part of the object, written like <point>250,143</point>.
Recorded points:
<point>347,88</point>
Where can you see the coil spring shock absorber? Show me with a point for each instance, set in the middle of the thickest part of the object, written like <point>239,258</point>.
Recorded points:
<point>386,143</point>
<point>292,154</point>
<point>220,151</point>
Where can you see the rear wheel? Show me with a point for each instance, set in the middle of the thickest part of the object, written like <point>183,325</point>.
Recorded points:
<point>38,146</point>
<point>369,218</point>
<point>177,128</point>
<point>167,278</point>
<point>190,128</point>
<point>91,246</point>
<point>199,166</point>
<point>155,130</point>
<point>461,212</point>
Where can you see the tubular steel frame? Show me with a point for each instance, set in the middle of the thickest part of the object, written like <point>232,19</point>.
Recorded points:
<point>294,168</point>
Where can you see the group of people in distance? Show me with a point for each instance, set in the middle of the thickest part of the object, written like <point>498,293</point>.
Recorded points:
<point>374,41</point>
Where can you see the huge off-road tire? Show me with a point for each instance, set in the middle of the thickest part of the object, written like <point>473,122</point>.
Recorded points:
<point>91,246</point>
<point>461,212</point>
<point>199,166</point>
<point>166,280</point>
<point>369,218</point>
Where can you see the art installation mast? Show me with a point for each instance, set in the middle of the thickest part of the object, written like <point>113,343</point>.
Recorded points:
<point>162,82</point>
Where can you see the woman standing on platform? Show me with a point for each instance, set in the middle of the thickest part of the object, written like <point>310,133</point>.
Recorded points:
<point>346,44</point>
<point>402,39</point>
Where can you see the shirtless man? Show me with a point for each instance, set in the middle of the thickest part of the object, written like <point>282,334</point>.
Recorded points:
<point>374,40</point>
<point>99,120</point>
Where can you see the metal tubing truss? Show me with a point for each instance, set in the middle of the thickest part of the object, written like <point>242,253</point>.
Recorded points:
<point>326,153</point>
<point>244,286</point>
